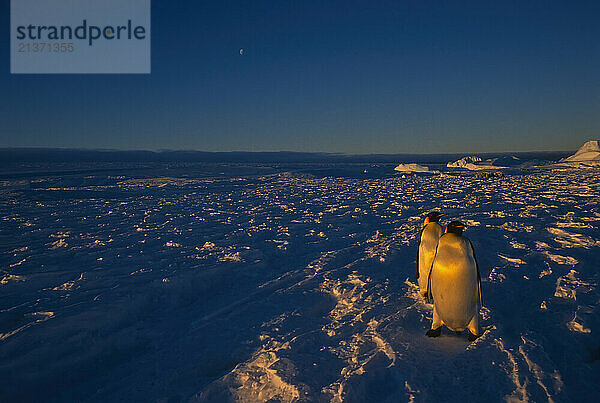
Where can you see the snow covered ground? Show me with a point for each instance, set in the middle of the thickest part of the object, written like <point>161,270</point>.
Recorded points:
<point>291,283</point>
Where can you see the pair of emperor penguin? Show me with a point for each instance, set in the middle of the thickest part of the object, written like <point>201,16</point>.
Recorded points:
<point>447,271</point>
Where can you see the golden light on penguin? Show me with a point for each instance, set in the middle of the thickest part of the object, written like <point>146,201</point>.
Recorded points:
<point>428,240</point>
<point>454,282</point>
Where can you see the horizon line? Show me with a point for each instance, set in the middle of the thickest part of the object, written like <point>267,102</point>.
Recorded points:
<point>329,153</point>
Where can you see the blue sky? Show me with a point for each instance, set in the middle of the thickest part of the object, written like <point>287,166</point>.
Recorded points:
<point>351,76</point>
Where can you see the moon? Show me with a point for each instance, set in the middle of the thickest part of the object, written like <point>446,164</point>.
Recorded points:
<point>241,51</point>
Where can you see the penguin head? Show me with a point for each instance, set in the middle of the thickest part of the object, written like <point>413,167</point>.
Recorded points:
<point>455,227</point>
<point>433,216</point>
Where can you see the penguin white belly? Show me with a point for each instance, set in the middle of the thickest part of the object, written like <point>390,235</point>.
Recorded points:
<point>454,282</point>
<point>429,240</point>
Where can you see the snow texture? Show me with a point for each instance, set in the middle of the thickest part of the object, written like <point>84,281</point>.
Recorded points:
<point>257,282</point>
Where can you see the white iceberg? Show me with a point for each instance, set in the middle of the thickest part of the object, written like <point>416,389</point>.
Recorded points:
<point>464,162</point>
<point>413,168</point>
<point>475,163</point>
<point>588,153</point>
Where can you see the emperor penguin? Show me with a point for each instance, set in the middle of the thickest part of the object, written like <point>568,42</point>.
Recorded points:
<point>455,284</point>
<point>428,240</point>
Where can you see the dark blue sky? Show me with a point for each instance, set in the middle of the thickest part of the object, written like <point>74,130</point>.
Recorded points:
<point>351,76</point>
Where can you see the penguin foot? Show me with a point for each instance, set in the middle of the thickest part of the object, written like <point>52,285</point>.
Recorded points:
<point>472,337</point>
<point>434,332</point>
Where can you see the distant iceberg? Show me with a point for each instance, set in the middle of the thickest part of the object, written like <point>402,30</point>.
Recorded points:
<point>464,161</point>
<point>475,163</point>
<point>590,151</point>
<point>413,168</point>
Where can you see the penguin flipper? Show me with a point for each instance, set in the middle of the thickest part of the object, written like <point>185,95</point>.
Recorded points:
<point>418,247</point>
<point>478,275</point>
<point>429,295</point>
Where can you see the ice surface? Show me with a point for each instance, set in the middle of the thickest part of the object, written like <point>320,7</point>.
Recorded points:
<point>257,282</point>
